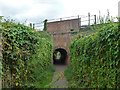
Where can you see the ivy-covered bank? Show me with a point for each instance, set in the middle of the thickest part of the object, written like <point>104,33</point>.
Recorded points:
<point>95,60</point>
<point>27,56</point>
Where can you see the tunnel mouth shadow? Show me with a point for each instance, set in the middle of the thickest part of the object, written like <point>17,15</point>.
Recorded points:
<point>60,56</point>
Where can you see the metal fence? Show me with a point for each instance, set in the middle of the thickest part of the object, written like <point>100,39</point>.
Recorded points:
<point>83,21</point>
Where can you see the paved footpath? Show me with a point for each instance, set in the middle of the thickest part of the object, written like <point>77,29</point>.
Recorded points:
<point>59,73</point>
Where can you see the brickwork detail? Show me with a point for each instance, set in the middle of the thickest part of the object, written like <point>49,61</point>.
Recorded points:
<point>61,34</point>
<point>62,41</point>
<point>64,25</point>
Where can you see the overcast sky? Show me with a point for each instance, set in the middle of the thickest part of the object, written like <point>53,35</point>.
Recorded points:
<point>38,10</point>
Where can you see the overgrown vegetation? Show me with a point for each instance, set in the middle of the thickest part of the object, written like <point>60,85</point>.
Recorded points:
<point>0,56</point>
<point>95,59</point>
<point>90,29</point>
<point>27,56</point>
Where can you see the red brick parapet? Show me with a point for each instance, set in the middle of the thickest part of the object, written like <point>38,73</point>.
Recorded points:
<point>64,25</point>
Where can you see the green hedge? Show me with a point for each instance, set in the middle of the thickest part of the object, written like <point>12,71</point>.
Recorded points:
<point>95,59</point>
<point>27,56</point>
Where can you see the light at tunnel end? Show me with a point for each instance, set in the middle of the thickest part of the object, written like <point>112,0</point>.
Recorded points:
<point>60,56</point>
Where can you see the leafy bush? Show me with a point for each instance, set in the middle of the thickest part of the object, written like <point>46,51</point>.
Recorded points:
<point>27,56</point>
<point>95,59</point>
<point>90,29</point>
<point>71,29</point>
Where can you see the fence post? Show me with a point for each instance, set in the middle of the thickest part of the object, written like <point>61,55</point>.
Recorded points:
<point>95,19</point>
<point>88,18</point>
<point>119,9</point>
<point>60,19</point>
<point>119,15</point>
<point>78,22</point>
<point>33,26</point>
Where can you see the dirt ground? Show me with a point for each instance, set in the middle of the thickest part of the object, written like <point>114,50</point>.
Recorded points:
<point>59,74</point>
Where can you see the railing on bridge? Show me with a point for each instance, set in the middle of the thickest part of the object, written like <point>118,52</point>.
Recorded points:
<point>83,21</point>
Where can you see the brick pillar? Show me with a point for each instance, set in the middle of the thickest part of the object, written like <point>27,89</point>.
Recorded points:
<point>68,60</point>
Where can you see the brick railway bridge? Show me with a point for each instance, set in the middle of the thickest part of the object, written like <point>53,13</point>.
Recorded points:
<point>61,31</point>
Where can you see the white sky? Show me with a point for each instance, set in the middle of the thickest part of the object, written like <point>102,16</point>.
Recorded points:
<point>39,10</point>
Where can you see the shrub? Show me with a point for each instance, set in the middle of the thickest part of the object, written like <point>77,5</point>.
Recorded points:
<point>26,56</point>
<point>95,59</point>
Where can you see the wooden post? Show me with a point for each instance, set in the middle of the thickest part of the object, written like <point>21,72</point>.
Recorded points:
<point>88,18</point>
<point>33,26</point>
<point>119,9</point>
<point>60,19</point>
<point>95,19</point>
<point>78,22</point>
<point>119,15</point>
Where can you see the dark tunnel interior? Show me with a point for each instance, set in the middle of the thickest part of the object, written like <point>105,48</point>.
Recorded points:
<point>59,56</point>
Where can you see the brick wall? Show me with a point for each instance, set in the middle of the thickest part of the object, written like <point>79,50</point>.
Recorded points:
<point>61,34</point>
<point>64,25</point>
<point>62,41</point>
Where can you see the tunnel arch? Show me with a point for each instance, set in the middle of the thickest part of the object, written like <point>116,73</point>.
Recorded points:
<point>63,56</point>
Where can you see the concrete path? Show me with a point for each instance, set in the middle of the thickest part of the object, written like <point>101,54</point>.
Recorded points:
<point>59,81</point>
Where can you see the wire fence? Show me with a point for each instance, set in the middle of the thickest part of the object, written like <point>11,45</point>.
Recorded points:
<point>83,20</point>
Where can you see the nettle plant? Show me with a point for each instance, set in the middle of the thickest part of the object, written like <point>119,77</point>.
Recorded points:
<point>24,53</point>
<point>17,48</point>
<point>102,21</point>
<point>95,59</point>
